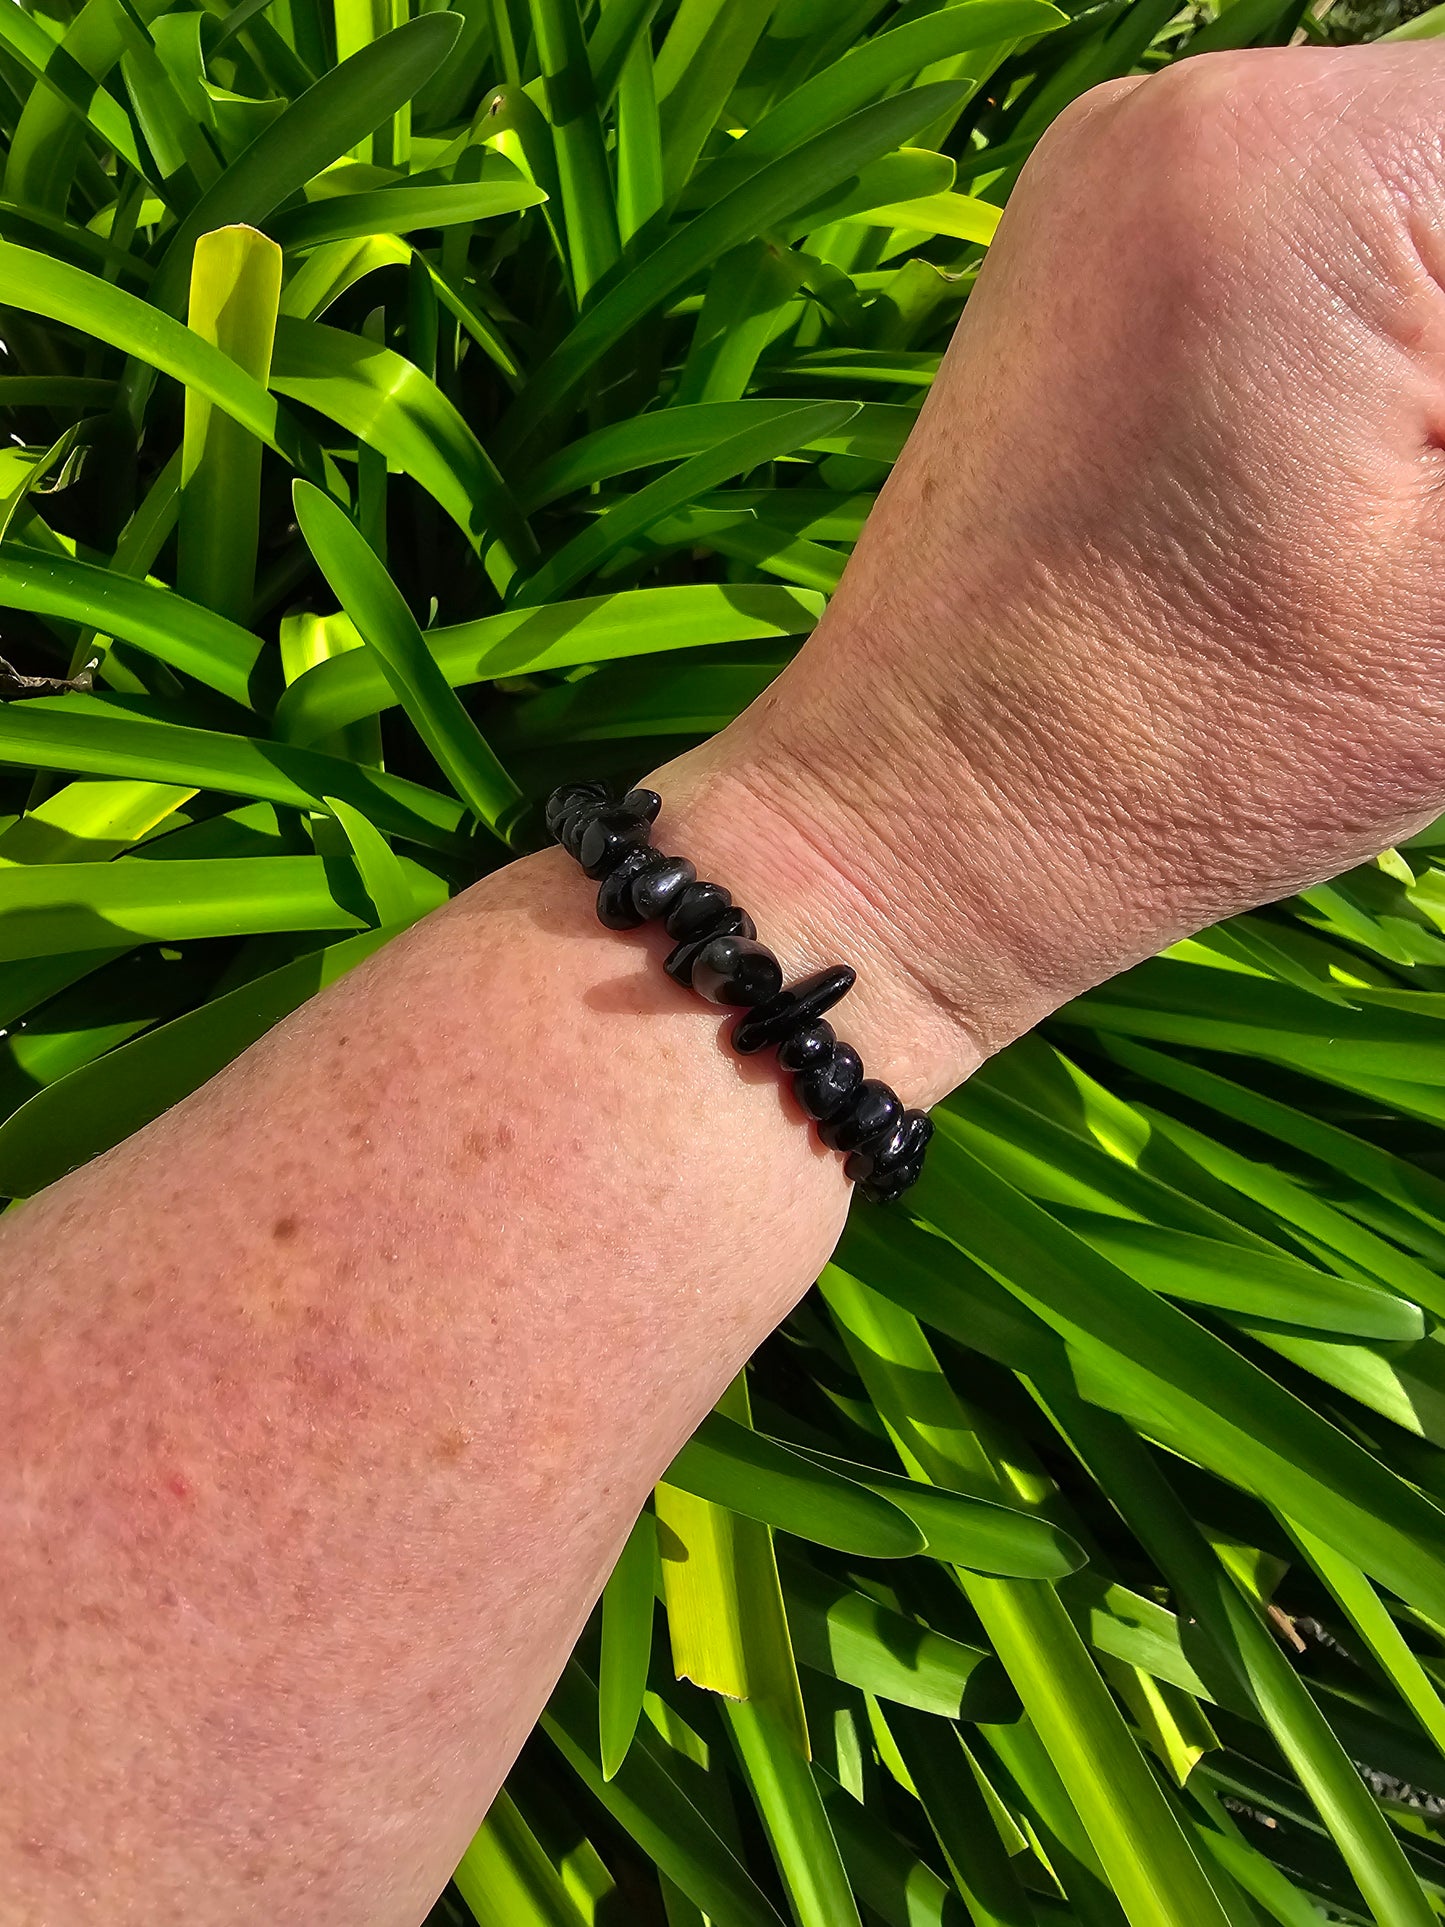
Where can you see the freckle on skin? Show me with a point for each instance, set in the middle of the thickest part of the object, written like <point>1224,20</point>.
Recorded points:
<point>451,1444</point>
<point>284,1230</point>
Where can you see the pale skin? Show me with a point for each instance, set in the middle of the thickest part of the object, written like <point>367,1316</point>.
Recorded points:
<point>327,1400</point>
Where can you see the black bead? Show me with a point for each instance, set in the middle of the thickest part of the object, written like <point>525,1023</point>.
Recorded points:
<point>892,1175</point>
<point>886,1188</point>
<point>827,1088</point>
<point>808,1046</point>
<point>871,1113</point>
<point>680,959</point>
<point>737,923</point>
<point>615,904</point>
<point>698,912</point>
<point>571,825</point>
<point>902,1148</point>
<point>660,885</point>
<point>607,839</point>
<point>791,1009</point>
<point>736,970</point>
<point>643,803</point>
<point>569,796</point>
<point>862,1164</point>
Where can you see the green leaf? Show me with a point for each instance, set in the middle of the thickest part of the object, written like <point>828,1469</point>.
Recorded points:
<point>399,210</point>
<point>589,213</point>
<point>88,906</point>
<point>332,116</point>
<point>89,821</point>
<point>1161,1367</point>
<point>959,215</point>
<point>903,1891</point>
<point>775,192</point>
<point>861,76</point>
<point>908,175</point>
<point>66,82</point>
<point>647,1802</point>
<point>763,1479</point>
<point>966,1530</point>
<point>615,527</point>
<point>641,191</point>
<point>389,629</point>
<point>235,292</point>
<point>748,294</point>
<point>943,1775</point>
<point>525,642</point>
<point>699,64</point>
<point>1206,1271</point>
<point>1382,1637</point>
<point>627,1612</point>
<point>1216,1600</point>
<point>791,1808</point>
<point>49,138</point>
<point>99,741</point>
<point>63,293</point>
<point>877,431</point>
<point>507,1880</point>
<point>855,1638</point>
<point>388,403</point>
<point>384,876</point>
<point>1149,1860</point>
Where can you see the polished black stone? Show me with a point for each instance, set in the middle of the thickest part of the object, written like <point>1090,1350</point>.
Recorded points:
<point>827,1088</point>
<point>792,1008</point>
<point>808,1046</point>
<point>660,885</point>
<point>616,906</point>
<point>568,797</point>
<point>680,959</point>
<point>699,912</point>
<point>607,839</point>
<point>886,1187</point>
<point>643,803</point>
<point>902,1149</point>
<point>862,1164</point>
<point>736,970</point>
<point>870,1114</point>
<point>570,827</point>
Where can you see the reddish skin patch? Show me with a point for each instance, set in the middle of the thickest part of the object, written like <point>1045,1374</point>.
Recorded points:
<point>180,1485</point>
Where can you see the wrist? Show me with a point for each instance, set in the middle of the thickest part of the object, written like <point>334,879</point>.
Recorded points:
<point>949,871</point>
<point>786,855</point>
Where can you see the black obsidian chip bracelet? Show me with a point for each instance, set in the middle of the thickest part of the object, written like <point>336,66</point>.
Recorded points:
<point>716,951</point>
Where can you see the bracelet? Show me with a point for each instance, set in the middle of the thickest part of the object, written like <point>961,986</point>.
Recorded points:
<point>718,955</point>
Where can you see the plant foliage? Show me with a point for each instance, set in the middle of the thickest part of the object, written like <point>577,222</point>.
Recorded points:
<point>405,411</point>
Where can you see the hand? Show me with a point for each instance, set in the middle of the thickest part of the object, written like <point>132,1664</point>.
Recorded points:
<point>1149,623</point>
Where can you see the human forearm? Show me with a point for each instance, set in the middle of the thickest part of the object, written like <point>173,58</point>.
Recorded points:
<point>327,1399</point>
<point>330,1396</point>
